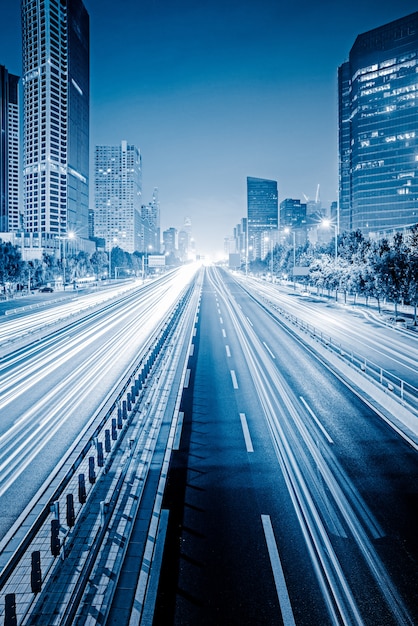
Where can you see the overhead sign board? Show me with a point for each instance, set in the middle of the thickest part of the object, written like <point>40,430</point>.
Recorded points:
<point>156,260</point>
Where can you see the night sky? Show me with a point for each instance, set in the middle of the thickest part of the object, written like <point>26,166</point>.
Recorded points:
<point>213,92</point>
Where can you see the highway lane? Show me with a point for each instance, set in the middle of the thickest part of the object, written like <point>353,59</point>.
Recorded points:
<point>355,329</point>
<point>53,308</point>
<point>49,390</point>
<point>290,501</point>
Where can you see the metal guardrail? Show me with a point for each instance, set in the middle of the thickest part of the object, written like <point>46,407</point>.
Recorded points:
<point>400,389</point>
<point>112,421</point>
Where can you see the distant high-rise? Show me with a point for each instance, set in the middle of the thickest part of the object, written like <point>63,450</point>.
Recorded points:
<point>262,203</point>
<point>378,130</point>
<point>150,216</point>
<point>56,117</point>
<point>118,188</point>
<point>170,240</point>
<point>9,151</point>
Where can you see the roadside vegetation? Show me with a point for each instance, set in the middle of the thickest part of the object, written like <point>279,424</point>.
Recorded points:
<point>386,269</point>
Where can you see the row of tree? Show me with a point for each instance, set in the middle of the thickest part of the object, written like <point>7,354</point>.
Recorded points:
<point>385,269</point>
<point>19,275</point>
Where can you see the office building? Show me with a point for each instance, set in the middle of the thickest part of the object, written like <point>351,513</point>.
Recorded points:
<point>9,152</point>
<point>56,117</point>
<point>150,225</point>
<point>117,200</point>
<point>378,130</point>
<point>292,213</point>
<point>262,205</point>
<point>170,241</point>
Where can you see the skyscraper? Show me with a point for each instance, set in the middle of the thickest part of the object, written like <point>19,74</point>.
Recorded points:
<point>118,188</point>
<point>56,117</point>
<point>262,204</point>
<point>378,130</point>
<point>9,151</point>
<point>150,214</point>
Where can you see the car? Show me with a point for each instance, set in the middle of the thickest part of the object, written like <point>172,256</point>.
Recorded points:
<point>46,290</point>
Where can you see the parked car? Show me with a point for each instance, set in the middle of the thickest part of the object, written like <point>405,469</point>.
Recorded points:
<point>46,290</point>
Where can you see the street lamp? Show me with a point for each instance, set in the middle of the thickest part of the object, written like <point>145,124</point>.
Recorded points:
<point>146,260</point>
<point>64,239</point>
<point>270,239</point>
<point>326,224</point>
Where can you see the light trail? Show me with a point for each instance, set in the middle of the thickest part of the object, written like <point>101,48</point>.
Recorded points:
<point>322,515</point>
<point>60,376</point>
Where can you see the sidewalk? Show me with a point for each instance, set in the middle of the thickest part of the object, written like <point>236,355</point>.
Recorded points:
<point>405,313</point>
<point>34,300</point>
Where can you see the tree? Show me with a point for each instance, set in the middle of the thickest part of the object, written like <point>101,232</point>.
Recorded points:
<point>100,263</point>
<point>413,269</point>
<point>11,264</point>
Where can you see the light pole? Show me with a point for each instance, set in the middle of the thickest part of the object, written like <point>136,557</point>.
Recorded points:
<point>70,235</point>
<point>270,239</point>
<point>288,230</point>
<point>326,224</point>
<point>145,260</point>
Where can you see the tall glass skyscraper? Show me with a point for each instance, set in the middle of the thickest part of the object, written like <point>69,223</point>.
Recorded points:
<point>9,151</point>
<point>378,130</point>
<point>262,204</point>
<point>118,189</point>
<point>56,116</point>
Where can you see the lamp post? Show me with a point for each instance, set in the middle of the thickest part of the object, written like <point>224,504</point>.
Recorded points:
<point>145,260</point>
<point>288,230</point>
<point>326,224</point>
<point>270,239</point>
<point>70,235</point>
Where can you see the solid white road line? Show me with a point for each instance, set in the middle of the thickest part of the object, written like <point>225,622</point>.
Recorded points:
<point>308,408</point>
<point>268,350</point>
<point>177,437</point>
<point>247,437</point>
<point>228,351</point>
<point>187,379</point>
<point>282,593</point>
<point>249,321</point>
<point>234,380</point>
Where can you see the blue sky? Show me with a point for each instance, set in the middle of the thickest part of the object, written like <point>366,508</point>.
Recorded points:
<point>213,92</point>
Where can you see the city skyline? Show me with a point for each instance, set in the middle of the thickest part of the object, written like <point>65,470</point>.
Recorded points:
<point>214,94</point>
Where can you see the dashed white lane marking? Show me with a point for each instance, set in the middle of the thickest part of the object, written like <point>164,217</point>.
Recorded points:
<point>228,351</point>
<point>249,321</point>
<point>246,432</point>
<point>221,320</point>
<point>234,380</point>
<point>268,350</point>
<point>281,588</point>
<point>308,408</point>
<point>191,350</point>
<point>187,379</point>
<point>223,332</point>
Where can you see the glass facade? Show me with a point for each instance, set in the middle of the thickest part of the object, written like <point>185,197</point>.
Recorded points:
<point>378,130</point>
<point>56,116</point>
<point>9,151</point>
<point>262,204</point>
<point>118,186</point>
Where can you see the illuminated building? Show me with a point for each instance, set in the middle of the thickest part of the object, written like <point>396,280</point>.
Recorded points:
<point>378,130</point>
<point>117,199</point>
<point>262,204</point>
<point>9,151</point>
<point>56,117</point>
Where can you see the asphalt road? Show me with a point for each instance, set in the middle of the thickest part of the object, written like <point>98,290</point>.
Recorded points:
<point>290,501</point>
<point>51,388</point>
